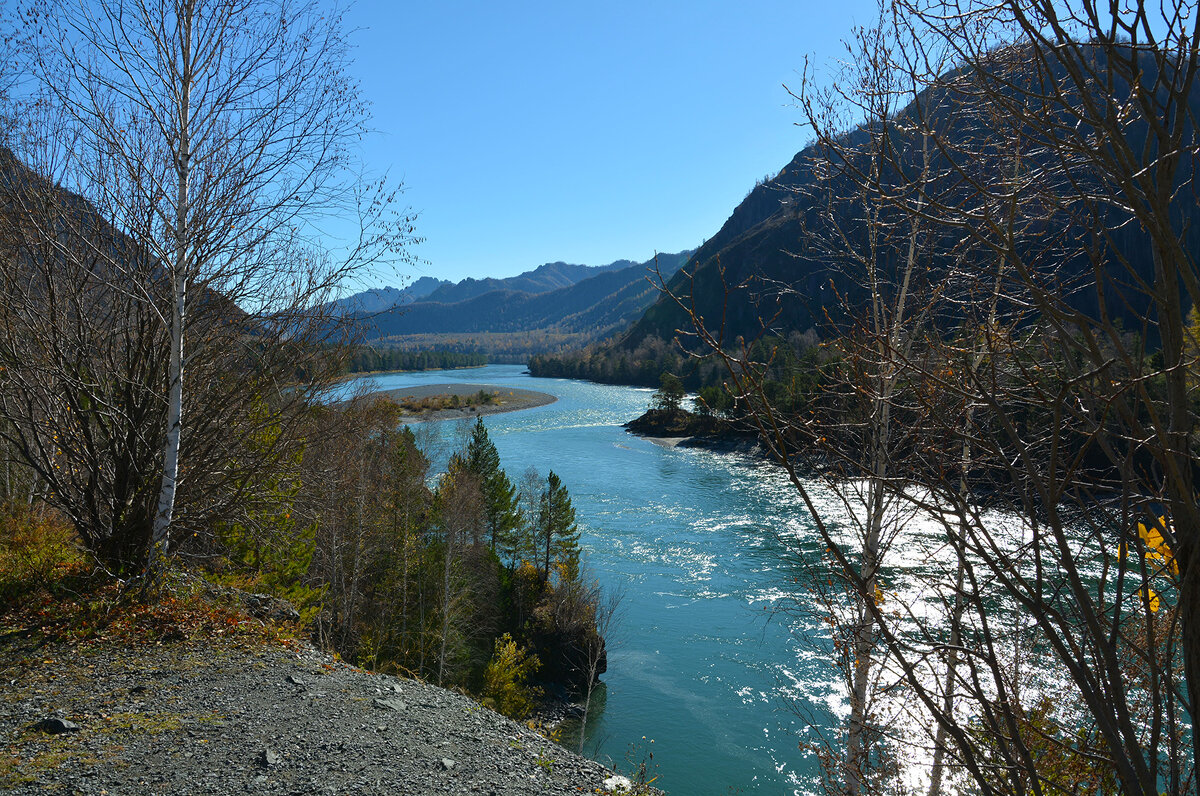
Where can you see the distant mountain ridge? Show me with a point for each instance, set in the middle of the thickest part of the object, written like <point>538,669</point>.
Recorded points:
<point>609,297</point>
<point>378,299</point>
<point>601,303</point>
<point>544,278</point>
<point>551,308</point>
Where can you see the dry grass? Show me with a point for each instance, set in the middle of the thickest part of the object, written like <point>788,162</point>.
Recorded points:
<point>438,403</point>
<point>50,591</point>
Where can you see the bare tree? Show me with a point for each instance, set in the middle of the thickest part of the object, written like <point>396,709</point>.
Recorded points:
<point>212,138</point>
<point>1046,636</point>
<point>605,616</point>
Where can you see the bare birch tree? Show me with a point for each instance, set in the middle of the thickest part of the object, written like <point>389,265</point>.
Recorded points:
<point>216,137</point>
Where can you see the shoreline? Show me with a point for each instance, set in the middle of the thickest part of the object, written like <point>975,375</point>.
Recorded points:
<point>508,399</point>
<point>362,374</point>
<point>744,445</point>
<point>684,429</point>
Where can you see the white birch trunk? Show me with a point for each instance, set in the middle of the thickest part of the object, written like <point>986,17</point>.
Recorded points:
<point>160,536</point>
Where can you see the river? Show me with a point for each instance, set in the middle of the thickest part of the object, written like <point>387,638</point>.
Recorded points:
<point>705,672</point>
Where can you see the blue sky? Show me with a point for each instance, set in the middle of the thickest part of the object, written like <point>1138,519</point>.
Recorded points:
<point>532,132</point>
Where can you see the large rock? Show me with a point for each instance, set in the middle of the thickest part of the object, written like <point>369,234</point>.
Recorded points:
<point>56,726</point>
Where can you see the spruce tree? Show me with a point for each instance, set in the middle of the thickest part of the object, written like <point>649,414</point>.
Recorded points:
<point>482,457</point>
<point>500,494</point>
<point>556,525</point>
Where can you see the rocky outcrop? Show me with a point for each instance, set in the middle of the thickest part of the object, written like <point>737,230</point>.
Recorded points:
<point>691,430</point>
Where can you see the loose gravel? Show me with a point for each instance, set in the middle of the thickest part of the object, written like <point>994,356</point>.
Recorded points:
<point>232,718</point>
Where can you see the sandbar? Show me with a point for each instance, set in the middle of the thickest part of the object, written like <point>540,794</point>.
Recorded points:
<point>507,399</point>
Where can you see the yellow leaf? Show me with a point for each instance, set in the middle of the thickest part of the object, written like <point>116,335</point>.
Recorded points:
<point>1156,545</point>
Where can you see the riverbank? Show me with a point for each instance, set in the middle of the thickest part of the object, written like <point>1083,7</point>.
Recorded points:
<point>362,374</point>
<point>218,716</point>
<point>502,399</point>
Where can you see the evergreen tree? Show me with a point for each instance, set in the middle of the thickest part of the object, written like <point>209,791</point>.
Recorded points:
<point>482,457</point>
<point>523,544</point>
<point>559,536</point>
<point>459,514</point>
<point>503,512</point>
<point>402,633</point>
<point>669,395</point>
<point>501,505</point>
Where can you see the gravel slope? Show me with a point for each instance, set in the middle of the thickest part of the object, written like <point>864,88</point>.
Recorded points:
<point>219,718</point>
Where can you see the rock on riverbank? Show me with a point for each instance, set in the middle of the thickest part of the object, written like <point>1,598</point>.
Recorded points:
<point>682,429</point>
<point>221,717</point>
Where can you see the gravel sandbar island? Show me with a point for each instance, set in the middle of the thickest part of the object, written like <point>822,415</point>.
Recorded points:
<point>453,401</point>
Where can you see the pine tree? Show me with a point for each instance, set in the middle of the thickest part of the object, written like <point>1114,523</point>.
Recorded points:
<point>482,457</point>
<point>559,536</point>
<point>407,577</point>
<point>459,512</point>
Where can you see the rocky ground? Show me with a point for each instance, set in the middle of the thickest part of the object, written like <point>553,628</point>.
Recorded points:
<point>232,717</point>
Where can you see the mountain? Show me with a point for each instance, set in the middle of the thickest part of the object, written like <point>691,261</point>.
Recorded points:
<point>776,267</point>
<point>756,242</point>
<point>542,279</point>
<point>609,299</point>
<point>423,287</point>
<point>768,246</point>
<point>593,306</point>
<point>383,298</point>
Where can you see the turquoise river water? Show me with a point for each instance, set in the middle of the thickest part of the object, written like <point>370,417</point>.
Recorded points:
<point>706,672</point>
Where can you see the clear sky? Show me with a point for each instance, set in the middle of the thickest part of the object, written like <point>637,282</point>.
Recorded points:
<point>529,132</point>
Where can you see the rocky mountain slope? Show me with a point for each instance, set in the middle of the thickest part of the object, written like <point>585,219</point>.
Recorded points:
<point>768,247</point>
